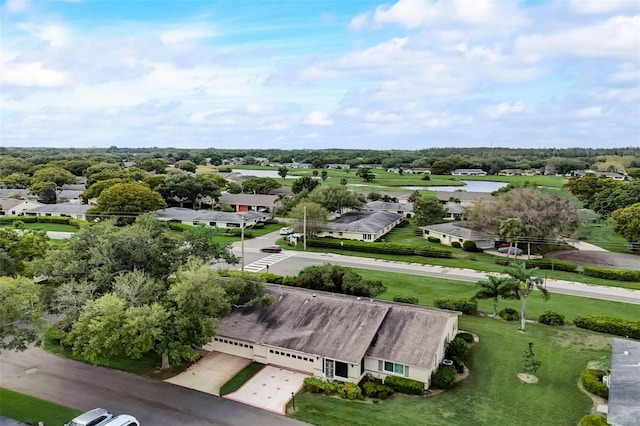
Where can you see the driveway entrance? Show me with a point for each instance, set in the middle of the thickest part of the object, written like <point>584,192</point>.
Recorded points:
<point>270,389</point>
<point>210,373</point>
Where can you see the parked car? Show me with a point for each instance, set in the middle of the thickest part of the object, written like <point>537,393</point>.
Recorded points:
<point>95,417</point>
<point>271,249</point>
<point>286,231</point>
<point>123,420</point>
<point>510,250</point>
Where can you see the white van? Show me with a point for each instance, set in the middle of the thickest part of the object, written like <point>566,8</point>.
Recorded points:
<point>123,420</point>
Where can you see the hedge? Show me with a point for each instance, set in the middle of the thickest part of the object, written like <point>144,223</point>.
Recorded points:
<point>458,347</point>
<point>350,391</point>
<point>444,377</point>
<point>592,382</point>
<point>467,337</point>
<point>456,244</point>
<point>469,246</point>
<point>593,420</point>
<point>376,390</point>
<point>555,264</point>
<point>262,276</point>
<point>466,306</point>
<point>612,274</point>
<point>316,385</point>
<point>404,385</point>
<point>406,299</point>
<point>609,325</point>
<point>61,220</point>
<point>509,314</point>
<point>551,318</point>
<point>434,240</point>
<point>381,248</point>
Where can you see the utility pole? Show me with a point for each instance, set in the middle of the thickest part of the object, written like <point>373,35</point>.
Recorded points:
<point>242,243</point>
<point>304,228</point>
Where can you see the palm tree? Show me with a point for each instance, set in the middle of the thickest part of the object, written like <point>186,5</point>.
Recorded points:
<point>511,229</point>
<point>324,175</point>
<point>315,173</point>
<point>526,283</point>
<point>496,287</point>
<point>343,181</point>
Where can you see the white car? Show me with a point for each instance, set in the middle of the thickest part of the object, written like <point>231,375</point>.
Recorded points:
<point>511,250</point>
<point>123,420</point>
<point>95,417</point>
<point>286,231</point>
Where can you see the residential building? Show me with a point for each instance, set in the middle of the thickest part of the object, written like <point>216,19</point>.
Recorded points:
<point>518,172</point>
<point>73,210</point>
<point>624,384</point>
<point>456,231</point>
<point>338,337</point>
<point>250,202</point>
<point>610,175</point>
<point>405,209</point>
<point>361,225</point>
<point>16,206</point>
<point>418,171</point>
<point>211,217</point>
<point>17,193</point>
<point>464,197</point>
<point>469,172</point>
<point>455,211</point>
<point>338,166</point>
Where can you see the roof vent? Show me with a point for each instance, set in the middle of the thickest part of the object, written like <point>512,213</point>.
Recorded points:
<point>625,353</point>
<point>314,295</point>
<point>358,298</point>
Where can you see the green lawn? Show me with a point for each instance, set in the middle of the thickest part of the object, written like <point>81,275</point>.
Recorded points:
<point>30,410</point>
<point>603,234</point>
<point>241,378</point>
<point>550,181</point>
<point>59,227</point>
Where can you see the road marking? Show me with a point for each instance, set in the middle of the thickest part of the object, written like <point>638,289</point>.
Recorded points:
<point>263,263</point>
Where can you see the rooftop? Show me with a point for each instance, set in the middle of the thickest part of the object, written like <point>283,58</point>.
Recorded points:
<point>361,221</point>
<point>63,208</point>
<point>179,213</point>
<point>624,383</point>
<point>383,205</point>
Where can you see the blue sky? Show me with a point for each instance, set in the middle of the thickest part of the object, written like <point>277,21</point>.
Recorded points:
<point>290,74</point>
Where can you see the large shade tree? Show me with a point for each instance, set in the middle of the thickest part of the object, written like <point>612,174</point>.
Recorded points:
<point>21,313</point>
<point>628,223</point>
<point>18,248</point>
<point>315,215</point>
<point>336,199</point>
<point>182,187</point>
<point>125,201</point>
<point>428,211</point>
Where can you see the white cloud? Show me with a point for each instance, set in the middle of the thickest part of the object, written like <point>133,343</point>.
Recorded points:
<point>360,22</point>
<point>55,35</point>
<point>381,117</point>
<point>504,108</point>
<point>205,116</point>
<point>318,118</point>
<point>603,6</point>
<point>16,6</point>
<point>31,75</point>
<point>181,35</point>
<point>589,112</point>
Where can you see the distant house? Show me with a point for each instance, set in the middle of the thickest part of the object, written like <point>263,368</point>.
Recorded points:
<point>338,337</point>
<point>69,196</point>
<point>394,170</point>
<point>469,172</point>
<point>624,384</point>
<point>250,202</point>
<point>73,210</point>
<point>15,207</point>
<point>518,172</point>
<point>17,193</point>
<point>418,171</point>
<point>361,225</point>
<point>455,211</point>
<point>295,165</point>
<point>610,175</point>
<point>211,217</point>
<point>456,231</point>
<point>464,197</point>
<point>405,209</point>
<point>338,166</point>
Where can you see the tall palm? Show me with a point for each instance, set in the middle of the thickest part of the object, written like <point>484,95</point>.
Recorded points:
<point>526,283</point>
<point>496,287</point>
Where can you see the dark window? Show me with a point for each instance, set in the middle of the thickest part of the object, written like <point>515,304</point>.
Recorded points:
<point>362,366</point>
<point>94,422</point>
<point>342,369</point>
<point>271,350</point>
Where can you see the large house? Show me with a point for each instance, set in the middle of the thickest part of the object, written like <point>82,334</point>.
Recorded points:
<point>250,202</point>
<point>361,225</point>
<point>624,384</point>
<point>15,207</point>
<point>72,210</point>
<point>456,231</point>
<point>339,337</point>
<point>211,217</point>
<point>469,172</point>
<point>405,209</point>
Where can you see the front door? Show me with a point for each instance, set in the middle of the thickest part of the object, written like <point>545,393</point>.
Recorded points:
<point>328,368</point>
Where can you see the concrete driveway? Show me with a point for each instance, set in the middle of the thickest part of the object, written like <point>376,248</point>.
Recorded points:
<point>270,389</point>
<point>210,373</point>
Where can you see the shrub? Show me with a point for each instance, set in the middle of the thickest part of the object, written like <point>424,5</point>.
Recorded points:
<point>609,325</point>
<point>350,391</point>
<point>509,314</point>
<point>612,274</point>
<point>551,318</point>
<point>289,280</point>
<point>433,240</point>
<point>456,244</point>
<point>458,347</point>
<point>404,385</point>
<point>593,420</point>
<point>592,381</point>
<point>466,306</point>
<point>405,299</point>
<point>316,385</point>
<point>503,262</point>
<point>444,377</point>
<point>378,247</point>
<point>426,177</point>
<point>555,264</point>
<point>376,390</point>
<point>469,246</point>
<point>467,337</point>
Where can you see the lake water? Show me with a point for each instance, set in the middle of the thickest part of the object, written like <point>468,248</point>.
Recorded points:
<point>470,186</point>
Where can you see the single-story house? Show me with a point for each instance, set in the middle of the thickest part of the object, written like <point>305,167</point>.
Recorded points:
<point>462,196</point>
<point>405,209</point>
<point>455,211</point>
<point>15,207</point>
<point>624,384</point>
<point>250,202</point>
<point>211,217</point>
<point>361,225</point>
<point>338,166</point>
<point>518,172</point>
<point>418,171</point>
<point>69,195</point>
<point>337,336</point>
<point>456,231</point>
<point>469,172</point>
<point>610,175</point>
<point>17,193</point>
<point>73,210</point>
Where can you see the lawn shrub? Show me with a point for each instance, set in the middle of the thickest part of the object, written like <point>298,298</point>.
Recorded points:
<point>456,244</point>
<point>350,391</point>
<point>551,318</point>
<point>458,347</point>
<point>404,385</point>
<point>555,264</point>
<point>237,232</point>
<point>406,299</point>
<point>434,240</point>
<point>316,385</point>
<point>23,219</point>
<point>258,225</point>
<point>509,314</point>
<point>612,274</point>
<point>376,390</point>
<point>458,364</point>
<point>289,280</point>
<point>592,381</point>
<point>337,279</point>
<point>593,420</point>
<point>467,337</point>
<point>466,306</point>
<point>469,246</point>
<point>382,248</point>
<point>502,262</point>
<point>444,377</point>
<point>609,325</point>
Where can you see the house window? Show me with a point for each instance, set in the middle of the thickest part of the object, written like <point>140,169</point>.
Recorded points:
<point>392,367</point>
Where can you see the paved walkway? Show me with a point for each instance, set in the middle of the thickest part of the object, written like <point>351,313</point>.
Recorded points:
<point>581,245</point>
<point>270,389</point>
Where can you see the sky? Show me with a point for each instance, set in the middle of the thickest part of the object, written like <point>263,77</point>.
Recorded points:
<point>314,74</point>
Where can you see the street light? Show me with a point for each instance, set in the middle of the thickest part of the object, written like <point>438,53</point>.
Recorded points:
<point>293,401</point>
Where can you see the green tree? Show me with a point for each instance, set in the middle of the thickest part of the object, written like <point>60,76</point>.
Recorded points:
<point>16,180</point>
<point>21,313</point>
<point>70,297</point>
<point>586,187</point>
<point>496,287</point>
<point>19,249</point>
<point>316,217</point>
<point>303,183</point>
<point>428,211</point>
<point>58,175</point>
<point>527,282</point>
<point>618,197</point>
<point>47,194</point>
<point>188,167</point>
<point>260,185</point>
<point>234,188</point>
<point>126,201</point>
<point>324,175</point>
<point>336,198</point>
<point>10,164</point>
<point>443,167</point>
<point>201,243</point>
<point>138,288</point>
<point>283,171</point>
<point>157,165</point>
<point>96,189</point>
<point>188,188</point>
<point>314,173</point>
<point>511,229</point>
<point>530,364</point>
<point>628,223</point>
<point>366,174</point>
<point>343,181</point>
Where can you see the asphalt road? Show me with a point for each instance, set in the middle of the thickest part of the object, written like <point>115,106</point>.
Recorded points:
<point>155,403</point>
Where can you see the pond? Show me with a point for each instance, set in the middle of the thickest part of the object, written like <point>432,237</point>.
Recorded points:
<point>470,186</point>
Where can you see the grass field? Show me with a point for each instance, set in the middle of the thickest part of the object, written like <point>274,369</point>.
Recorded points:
<point>603,235</point>
<point>241,378</point>
<point>59,227</point>
<point>30,410</point>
